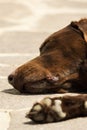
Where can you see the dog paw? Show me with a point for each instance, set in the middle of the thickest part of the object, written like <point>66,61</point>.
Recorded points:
<point>48,110</point>
<point>58,108</point>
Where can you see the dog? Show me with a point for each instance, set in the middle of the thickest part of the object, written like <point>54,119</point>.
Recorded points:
<point>61,67</point>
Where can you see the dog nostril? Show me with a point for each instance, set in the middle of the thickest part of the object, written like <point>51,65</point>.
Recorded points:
<point>11,79</point>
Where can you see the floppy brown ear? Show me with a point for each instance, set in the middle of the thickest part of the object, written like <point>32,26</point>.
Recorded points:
<point>82,26</point>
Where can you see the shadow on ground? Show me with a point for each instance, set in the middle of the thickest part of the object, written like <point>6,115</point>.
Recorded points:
<point>12,91</point>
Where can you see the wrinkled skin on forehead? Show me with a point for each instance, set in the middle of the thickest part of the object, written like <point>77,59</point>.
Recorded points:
<point>61,66</point>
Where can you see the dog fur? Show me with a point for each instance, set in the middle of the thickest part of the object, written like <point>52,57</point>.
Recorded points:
<point>61,67</point>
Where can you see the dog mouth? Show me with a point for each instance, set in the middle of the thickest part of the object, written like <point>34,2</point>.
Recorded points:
<point>40,86</point>
<point>49,86</point>
<point>49,83</point>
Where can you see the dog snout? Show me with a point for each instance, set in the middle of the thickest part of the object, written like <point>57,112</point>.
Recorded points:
<point>11,78</point>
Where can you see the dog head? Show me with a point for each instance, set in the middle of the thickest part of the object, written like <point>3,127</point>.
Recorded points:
<point>61,66</point>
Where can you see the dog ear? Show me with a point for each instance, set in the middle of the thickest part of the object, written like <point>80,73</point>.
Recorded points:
<point>82,26</point>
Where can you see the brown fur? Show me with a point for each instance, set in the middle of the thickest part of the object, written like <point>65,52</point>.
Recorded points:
<point>61,66</point>
<point>72,106</point>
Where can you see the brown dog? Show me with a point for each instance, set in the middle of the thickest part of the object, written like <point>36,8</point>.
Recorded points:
<point>61,66</point>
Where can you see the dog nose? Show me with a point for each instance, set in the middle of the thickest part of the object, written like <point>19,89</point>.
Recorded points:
<point>11,78</point>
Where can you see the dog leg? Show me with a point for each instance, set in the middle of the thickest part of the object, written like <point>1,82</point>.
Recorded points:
<point>58,109</point>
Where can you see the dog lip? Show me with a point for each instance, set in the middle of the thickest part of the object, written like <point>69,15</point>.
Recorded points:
<point>37,87</point>
<point>43,85</point>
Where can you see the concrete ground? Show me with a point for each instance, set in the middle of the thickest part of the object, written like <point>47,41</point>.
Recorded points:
<point>24,24</point>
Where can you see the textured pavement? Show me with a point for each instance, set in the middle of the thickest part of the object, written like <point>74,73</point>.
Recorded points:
<point>24,24</point>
